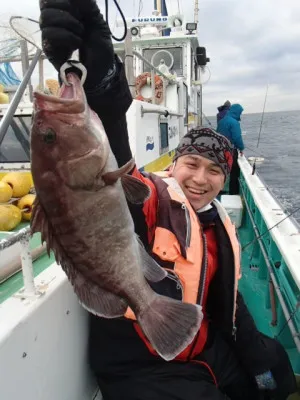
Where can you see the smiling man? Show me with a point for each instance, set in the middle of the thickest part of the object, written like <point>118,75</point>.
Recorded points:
<point>202,161</point>
<point>186,231</point>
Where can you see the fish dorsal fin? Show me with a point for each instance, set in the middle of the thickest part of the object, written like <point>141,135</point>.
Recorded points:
<point>40,223</point>
<point>153,272</point>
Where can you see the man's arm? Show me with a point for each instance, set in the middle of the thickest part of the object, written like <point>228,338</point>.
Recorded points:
<point>69,25</point>
<point>236,133</point>
<point>110,101</point>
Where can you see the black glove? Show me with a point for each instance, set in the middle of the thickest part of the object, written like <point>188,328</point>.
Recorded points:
<point>68,25</point>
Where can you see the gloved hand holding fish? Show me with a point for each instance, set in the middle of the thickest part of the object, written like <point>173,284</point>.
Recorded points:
<point>67,25</point>
<point>82,212</point>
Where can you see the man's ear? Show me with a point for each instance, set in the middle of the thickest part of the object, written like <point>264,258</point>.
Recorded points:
<point>171,169</point>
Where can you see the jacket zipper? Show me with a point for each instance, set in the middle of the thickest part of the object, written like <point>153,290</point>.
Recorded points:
<point>188,225</point>
<point>234,328</point>
<point>204,267</point>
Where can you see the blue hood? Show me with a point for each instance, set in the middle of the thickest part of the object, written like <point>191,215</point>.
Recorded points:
<point>235,111</point>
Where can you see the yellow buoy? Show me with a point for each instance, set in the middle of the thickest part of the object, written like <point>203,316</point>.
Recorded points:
<point>26,202</point>
<point>19,181</point>
<point>4,98</point>
<point>53,86</point>
<point>10,217</point>
<point>5,192</point>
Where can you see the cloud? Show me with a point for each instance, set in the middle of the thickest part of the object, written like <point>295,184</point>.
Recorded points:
<point>250,44</point>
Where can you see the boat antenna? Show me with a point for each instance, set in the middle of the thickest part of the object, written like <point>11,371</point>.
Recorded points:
<point>123,19</point>
<point>196,12</point>
<point>260,128</point>
<point>262,116</point>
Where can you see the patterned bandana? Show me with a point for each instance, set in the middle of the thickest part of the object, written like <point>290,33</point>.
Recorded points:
<point>207,143</point>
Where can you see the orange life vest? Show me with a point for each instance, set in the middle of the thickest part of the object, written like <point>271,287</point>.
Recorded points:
<point>190,269</point>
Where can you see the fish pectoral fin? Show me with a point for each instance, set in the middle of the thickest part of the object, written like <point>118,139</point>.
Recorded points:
<point>136,191</point>
<point>153,272</point>
<point>111,177</point>
<point>93,298</point>
<point>40,223</point>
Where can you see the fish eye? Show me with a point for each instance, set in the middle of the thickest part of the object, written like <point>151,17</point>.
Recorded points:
<point>50,136</point>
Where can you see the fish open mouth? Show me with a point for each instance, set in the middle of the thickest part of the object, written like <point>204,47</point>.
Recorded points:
<point>70,99</point>
<point>67,91</point>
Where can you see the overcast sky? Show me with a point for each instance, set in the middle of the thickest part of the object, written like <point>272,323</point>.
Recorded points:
<point>251,43</point>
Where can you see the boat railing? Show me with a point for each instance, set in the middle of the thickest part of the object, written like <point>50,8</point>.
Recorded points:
<point>284,294</point>
<point>9,114</point>
<point>288,212</point>
<point>23,237</point>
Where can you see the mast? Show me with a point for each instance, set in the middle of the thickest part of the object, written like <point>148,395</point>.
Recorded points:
<point>196,12</point>
<point>157,6</point>
<point>196,20</point>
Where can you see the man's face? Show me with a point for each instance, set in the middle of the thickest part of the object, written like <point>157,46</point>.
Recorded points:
<point>199,178</point>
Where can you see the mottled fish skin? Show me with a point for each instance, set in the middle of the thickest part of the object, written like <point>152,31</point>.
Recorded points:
<point>87,223</point>
<point>92,225</point>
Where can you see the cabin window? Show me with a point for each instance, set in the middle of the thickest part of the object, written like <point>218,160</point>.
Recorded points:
<point>15,146</point>
<point>172,57</point>
<point>164,137</point>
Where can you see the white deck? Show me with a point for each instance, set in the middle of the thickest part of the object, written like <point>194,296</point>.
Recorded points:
<point>43,344</point>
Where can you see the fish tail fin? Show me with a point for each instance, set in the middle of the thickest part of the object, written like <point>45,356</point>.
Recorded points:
<point>170,325</point>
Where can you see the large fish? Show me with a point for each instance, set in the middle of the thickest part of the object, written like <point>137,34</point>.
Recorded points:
<point>82,213</point>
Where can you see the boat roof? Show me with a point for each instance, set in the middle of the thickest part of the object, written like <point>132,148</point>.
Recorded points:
<point>173,40</point>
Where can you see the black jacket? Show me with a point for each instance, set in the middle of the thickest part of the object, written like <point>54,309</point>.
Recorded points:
<point>115,350</point>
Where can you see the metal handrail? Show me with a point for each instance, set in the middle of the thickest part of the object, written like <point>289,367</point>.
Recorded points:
<point>6,120</point>
<point>19,58</point>
<point>165,112</point>
<point>23,237</point>
<point>14,238</point>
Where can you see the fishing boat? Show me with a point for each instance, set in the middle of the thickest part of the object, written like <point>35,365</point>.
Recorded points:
<point>44,330</point>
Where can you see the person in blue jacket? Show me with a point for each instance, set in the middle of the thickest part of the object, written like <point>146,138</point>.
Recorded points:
<point>229,126</point>
<point>223,110</point>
